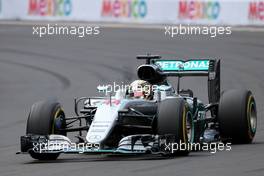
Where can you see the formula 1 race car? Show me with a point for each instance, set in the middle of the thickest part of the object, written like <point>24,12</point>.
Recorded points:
<point>121,124</point>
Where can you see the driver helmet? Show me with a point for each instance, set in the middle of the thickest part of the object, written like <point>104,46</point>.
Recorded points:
<point>141,89</point>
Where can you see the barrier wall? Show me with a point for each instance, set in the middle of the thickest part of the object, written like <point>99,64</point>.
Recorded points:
<point>213,12</point>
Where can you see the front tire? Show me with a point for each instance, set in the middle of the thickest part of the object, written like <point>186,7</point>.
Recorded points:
<point>237,116</point>
<point>45,118</point>
<point>173,117</point>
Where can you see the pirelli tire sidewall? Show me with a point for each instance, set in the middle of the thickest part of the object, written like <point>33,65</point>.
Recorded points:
<point>237,116</point>
<point>172,120</point>
<point>45,118</point>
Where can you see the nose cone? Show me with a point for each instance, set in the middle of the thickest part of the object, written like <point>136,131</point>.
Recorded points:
<point>104,120</point>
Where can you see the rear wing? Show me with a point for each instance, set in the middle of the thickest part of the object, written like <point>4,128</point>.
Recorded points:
<point>192,67</point>
<point>184,68</point>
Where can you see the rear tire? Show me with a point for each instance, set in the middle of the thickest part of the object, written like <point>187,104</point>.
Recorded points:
<point>173,116</point>
<point>237,116</point>
<point>45,117</point>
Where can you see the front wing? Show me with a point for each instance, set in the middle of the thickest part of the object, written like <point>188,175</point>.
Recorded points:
<point>134,144</point>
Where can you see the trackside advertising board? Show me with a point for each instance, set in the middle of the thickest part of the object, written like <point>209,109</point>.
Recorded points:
<point>207,12</point>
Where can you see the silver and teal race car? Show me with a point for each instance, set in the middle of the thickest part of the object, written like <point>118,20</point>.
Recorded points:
<point>171,123</point>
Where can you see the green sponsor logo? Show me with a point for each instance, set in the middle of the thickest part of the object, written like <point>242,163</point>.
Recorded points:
<point>192,65</point>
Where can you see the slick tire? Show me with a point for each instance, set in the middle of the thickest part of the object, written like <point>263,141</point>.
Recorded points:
<point>173,116</point>
<point>237,116</point>
<point>45,117</point>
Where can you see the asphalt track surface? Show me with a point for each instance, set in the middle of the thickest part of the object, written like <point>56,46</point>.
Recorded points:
<point>33,68</point>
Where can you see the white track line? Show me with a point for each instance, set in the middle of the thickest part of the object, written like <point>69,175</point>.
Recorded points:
<point>120,25</point>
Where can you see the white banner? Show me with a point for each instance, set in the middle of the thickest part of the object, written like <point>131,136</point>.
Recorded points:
<point>208,12</point>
